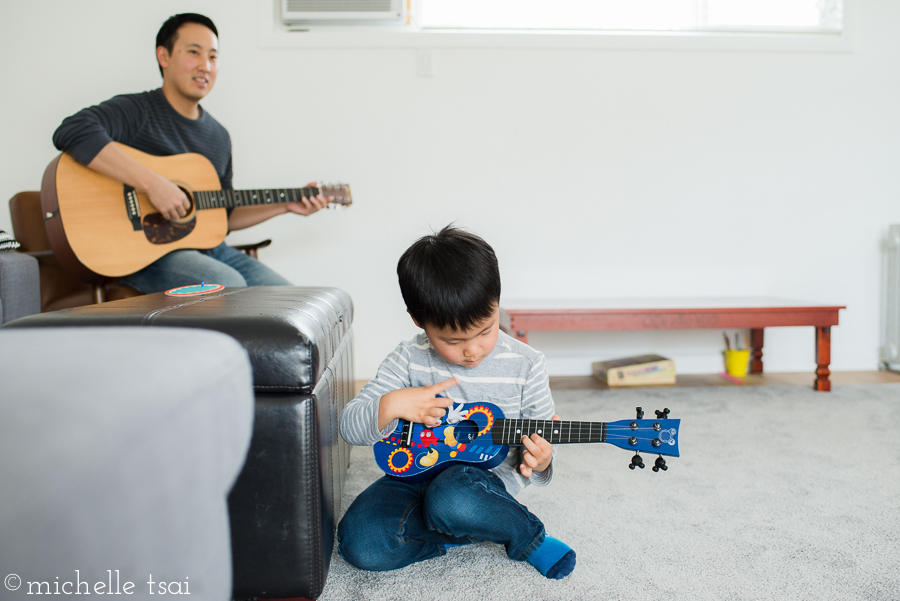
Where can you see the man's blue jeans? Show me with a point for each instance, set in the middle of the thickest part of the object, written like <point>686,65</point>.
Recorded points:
<point>220,265</point>
<point>392,524</point>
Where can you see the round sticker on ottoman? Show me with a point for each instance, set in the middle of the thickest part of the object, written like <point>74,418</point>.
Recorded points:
<point>195,289</point>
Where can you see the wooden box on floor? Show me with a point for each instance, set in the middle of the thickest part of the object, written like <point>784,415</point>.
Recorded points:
<point>642,370</point>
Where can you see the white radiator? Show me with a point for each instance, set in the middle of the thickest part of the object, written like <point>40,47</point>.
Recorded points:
<point>890,348</point>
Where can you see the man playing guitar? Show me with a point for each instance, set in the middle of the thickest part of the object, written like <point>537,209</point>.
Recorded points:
<point>169,121</point>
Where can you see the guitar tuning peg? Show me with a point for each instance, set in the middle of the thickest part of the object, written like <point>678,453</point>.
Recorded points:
<point>662,414</point>
<point>660,464</point>
<point>637,461</point>
<point>640,412</point>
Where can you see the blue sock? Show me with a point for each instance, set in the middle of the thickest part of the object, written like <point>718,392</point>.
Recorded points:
<point>554,558</point>
<point>451,545</point>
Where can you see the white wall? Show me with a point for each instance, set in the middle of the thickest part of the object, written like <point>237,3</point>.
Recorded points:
<point>591,172</point>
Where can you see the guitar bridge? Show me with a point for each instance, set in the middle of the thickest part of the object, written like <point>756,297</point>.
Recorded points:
<point>132,207</point>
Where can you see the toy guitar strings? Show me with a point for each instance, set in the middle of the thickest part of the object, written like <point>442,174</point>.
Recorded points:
<point>479,435</point>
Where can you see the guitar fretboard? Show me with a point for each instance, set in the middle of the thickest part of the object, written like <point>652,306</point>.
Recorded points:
<point>218,199</point>
<point>511,431</point>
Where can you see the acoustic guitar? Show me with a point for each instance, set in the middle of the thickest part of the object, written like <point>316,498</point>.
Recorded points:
<point>98,226</point>
<point>479,435</point>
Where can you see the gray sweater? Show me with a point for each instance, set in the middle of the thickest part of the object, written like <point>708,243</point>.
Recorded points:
<point>146,122</point>
<point>513,377</point>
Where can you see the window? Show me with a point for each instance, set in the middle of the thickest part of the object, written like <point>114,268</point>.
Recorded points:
<point>691,25</point>
<point>789,16</point>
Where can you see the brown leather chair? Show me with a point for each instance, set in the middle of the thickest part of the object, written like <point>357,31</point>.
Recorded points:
<point>59,288</point>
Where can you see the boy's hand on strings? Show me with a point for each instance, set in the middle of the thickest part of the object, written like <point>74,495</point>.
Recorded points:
<point>418,404</point>
<point>537,454</point>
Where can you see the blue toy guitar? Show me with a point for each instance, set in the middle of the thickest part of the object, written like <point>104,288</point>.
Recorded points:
<point>478,434</point>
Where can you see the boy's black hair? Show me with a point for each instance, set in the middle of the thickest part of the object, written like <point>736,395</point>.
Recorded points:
<point>450,279</point>
<point>168,33</point>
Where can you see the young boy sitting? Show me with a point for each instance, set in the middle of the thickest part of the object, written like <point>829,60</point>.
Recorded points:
<point>450,283</point>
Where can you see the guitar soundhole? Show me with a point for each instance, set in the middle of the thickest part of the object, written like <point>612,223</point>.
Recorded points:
<point>466,431</point>
<point>160,230</point>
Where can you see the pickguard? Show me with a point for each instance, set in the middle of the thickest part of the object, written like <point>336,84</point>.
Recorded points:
<point>160,230</point>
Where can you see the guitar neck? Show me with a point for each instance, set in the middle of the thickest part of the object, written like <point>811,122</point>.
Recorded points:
<point>511,431</point>
<point>219,199</point>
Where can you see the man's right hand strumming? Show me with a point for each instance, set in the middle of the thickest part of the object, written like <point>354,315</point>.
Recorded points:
<point>169,199</point>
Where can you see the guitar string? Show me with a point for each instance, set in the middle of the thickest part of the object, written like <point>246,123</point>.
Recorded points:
<point>614,433</point>
<point>227,198</point>
<point>535,425</point>
<point>581,437</point>
<point>212,198</point>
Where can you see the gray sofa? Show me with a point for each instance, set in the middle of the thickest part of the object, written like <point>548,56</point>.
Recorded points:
<point>119,447</point>
<point>20,293</point>
<point>285,503</point>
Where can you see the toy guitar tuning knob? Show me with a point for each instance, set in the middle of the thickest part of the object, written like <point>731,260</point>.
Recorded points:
<point>662,414</point>
<point>660,464</point>
<point>636,461</point>
<point>640,412</point>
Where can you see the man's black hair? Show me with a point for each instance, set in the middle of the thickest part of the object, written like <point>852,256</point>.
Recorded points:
<point>168,33</point>
<point>450,279</point>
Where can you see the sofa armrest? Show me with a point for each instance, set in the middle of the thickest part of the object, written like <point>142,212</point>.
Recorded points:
<point>20,288</point>
<point>119,448</point>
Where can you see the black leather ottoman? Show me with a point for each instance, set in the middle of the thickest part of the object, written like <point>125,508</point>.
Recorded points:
<point>285,502</point>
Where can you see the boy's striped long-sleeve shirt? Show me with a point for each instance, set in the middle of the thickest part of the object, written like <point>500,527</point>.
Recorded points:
<point>513,377</point>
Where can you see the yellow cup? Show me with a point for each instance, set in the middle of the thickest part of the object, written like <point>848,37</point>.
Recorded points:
<point>736,362</point>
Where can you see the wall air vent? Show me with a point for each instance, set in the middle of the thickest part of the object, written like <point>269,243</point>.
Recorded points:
<point>294,12</point>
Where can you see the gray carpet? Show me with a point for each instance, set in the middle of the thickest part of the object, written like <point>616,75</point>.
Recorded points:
<point>779,493</point>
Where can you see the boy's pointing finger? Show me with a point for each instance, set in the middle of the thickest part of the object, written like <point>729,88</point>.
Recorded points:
<point>442,386</point>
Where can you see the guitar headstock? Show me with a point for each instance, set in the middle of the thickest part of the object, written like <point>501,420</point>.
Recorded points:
<point>340,194</point>
<point>658,436</point>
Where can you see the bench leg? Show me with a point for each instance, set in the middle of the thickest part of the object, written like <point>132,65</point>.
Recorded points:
<point>756,343</point>
<point>823,359</point>
<point>520,335</point>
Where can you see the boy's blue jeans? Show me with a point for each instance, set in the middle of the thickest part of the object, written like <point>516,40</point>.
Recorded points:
<point>392,523</point>
<point>220,265</point>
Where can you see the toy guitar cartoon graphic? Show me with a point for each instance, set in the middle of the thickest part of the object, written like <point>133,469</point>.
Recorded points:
<point>478,434</point>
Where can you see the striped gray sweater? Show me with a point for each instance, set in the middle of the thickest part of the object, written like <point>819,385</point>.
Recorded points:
<point>513,377</point>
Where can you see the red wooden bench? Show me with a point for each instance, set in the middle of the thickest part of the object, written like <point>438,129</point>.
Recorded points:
<point>518,317</point>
